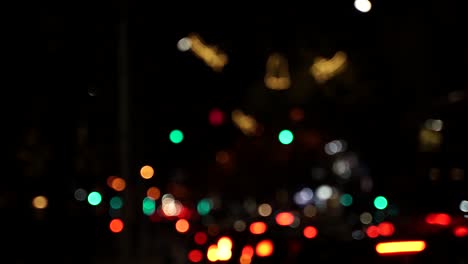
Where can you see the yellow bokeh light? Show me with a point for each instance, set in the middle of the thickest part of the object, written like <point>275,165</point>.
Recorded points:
<point>224,254</point>
<point>40,202</point>
<point>212,253</point>
<point>277,72</point>
<point>246,123</point>
<point>147,172</point>
<point>264,248</point>
<point>211,55</point>
<point>324,69</point>
<point>225,243</point>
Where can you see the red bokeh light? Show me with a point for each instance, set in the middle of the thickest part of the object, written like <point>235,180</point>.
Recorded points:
<point>216,117</point>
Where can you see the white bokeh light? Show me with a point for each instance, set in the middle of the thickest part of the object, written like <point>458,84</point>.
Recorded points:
<point>363,6</point>
<point>184,44</point>
<point>464,206</point>
<point>324,192</point>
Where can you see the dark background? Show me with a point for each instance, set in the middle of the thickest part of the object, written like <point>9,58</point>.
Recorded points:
<point>406,61</point>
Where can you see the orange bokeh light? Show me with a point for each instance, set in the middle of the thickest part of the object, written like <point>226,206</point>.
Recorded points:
<point>248,251</point>
<point>147,172</point>
<point>182,225</point>
<point>285,218</point>
<point>153,192</point>
<point>310,232</point>
<point>258,228</point>
<point>118,184</point>
<point>116,225</point>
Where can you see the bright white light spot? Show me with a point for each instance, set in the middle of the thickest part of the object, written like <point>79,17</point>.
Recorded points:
<point>464,206</point>
<point>184,44</point>
<point>324,192</point>
<point>363,6</point>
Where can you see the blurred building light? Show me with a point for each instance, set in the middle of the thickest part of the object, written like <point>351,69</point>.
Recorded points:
<point>211,55</point>
<point>457,174</point>
<point>429,140</point>
<point>324,69</point>
<point>400,247</point>
<point>434,124</point>
<point>277,72</point>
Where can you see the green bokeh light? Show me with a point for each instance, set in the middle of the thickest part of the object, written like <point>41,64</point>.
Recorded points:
<point>176,136</point>
<point>286,137</point>
<point>149,206</point>
<point>94,198</point>
<point>346,199</point>
<point>116,202</point>
<point>204,206</point>
<point>380,202</point>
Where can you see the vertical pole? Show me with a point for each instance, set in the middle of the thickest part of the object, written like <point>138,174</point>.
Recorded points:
<point>124,133</point>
